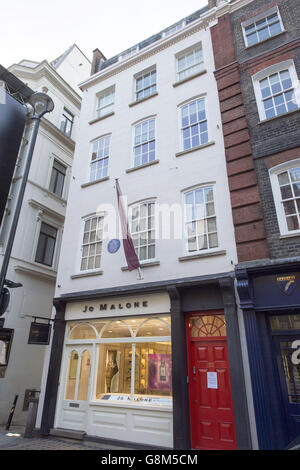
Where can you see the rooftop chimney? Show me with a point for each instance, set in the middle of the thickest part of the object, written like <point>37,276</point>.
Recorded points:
<point>211,3</point>
<point>97,58</point>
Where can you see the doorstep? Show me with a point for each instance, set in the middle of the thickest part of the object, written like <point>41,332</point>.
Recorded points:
<point>67,433</point>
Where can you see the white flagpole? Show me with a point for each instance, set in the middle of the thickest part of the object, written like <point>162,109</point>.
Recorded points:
<point>140,275</point>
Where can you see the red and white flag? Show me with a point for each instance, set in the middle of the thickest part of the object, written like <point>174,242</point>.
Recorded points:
<point>130,254</point>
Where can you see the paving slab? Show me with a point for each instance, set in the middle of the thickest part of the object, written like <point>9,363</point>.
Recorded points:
<point>13,439</point>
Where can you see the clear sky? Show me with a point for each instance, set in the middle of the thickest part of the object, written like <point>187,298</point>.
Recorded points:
<point>43,29</point>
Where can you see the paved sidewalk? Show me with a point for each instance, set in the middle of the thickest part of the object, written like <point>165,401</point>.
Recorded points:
<point>14,440</point>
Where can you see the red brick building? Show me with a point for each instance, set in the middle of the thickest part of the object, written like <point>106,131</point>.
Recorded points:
<point>257,59</point>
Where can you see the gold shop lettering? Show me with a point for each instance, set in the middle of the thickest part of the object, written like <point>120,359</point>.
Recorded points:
<point>105,307</point>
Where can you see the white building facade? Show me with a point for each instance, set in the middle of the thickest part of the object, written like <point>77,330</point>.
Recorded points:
<point>35,254</point>
<point>129,355</point>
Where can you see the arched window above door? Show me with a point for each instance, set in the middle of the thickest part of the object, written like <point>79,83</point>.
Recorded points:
<point>207,326</point>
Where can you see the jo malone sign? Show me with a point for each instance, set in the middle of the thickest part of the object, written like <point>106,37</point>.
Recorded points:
<point>119,306</point>
<point>106,306</point>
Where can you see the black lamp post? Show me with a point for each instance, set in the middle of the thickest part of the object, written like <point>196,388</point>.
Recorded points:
<point>41,104</point>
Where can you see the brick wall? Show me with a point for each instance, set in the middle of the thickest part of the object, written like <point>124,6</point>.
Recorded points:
<point>290,14</point>
<point>279,248</point>
<point>245,198</point>
<point>277,136</point>
<point>249,159</point>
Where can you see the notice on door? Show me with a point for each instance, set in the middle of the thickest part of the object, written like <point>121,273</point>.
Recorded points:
<point>212,380</point>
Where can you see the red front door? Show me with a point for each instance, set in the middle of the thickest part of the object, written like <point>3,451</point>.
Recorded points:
<point>211,409</point>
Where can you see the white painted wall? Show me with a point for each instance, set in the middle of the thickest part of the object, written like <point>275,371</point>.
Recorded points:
<point>74,68</point>
<point>165,181</point>
<point>36,296</point>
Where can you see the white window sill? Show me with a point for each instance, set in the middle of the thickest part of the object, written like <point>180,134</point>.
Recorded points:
<point>198,255</point>
<point>180,82</point>
<point>101,118</point>
<point>144,264</point>
<point>194,149</point>
<point>60,199</point>
<point>32,268</point>
<point>145,165</point>
<point>143,99</point>
<point>87,274</point>
<point>90,183</point>
<point>265,40</point>
<point>290,235</point>
<point>45,266</point>
<point>263,121</point>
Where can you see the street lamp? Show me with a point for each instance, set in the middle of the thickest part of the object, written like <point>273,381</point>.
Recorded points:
<point>42,104</point>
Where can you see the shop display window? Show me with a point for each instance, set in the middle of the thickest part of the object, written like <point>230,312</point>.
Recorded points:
<point>285,322</point>
<point>83,331</point>
<point>133,360</point>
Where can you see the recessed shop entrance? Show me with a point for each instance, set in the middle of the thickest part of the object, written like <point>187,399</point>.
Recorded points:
<point>285,332</point>
<point>76,390</point>
<point>211,407</point>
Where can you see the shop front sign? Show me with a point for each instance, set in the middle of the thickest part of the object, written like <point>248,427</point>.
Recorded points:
<point>114,306</point>
<point>119,306</point>
<point>276,290</point>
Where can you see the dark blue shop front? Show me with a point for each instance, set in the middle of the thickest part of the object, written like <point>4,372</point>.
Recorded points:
<point>270,299</point>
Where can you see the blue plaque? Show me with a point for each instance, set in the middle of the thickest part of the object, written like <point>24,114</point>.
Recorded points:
<point>113,245</point>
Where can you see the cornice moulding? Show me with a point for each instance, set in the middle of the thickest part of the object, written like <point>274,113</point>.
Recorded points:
<point>44,70</point>
<point>211,16</point>
<point>41,207</point>
<point>149,51</point>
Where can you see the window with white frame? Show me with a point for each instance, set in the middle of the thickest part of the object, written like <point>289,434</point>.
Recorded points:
<point>200,219</point>
<point>142,217</point>
<point>91,247</point>
<point>57,180</point>
<point>144,142</point>
<point>262,27</point>
<point>134,360</point>
<point>67,122</point>
<point>145,84</point>
<point>128,53</point>
<point>174,28</point>
<point>286,189</point>
<point>189,62</point>
<point>100,158</point>
<point>46,244</point>
<point>105,102</point>
<point>194,129</point>
<point>275,90</point>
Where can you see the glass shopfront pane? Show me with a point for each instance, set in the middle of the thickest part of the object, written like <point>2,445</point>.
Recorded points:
<point>285,322</point>
<point>84,376</point>
<point>154,327</point>
<point>83,331</point>
<point>153,371</point>
<point>291,372</point>
<point>71,381</point>
<point>114,371</point>
<point>118,340</point>
<point>116,329</point>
